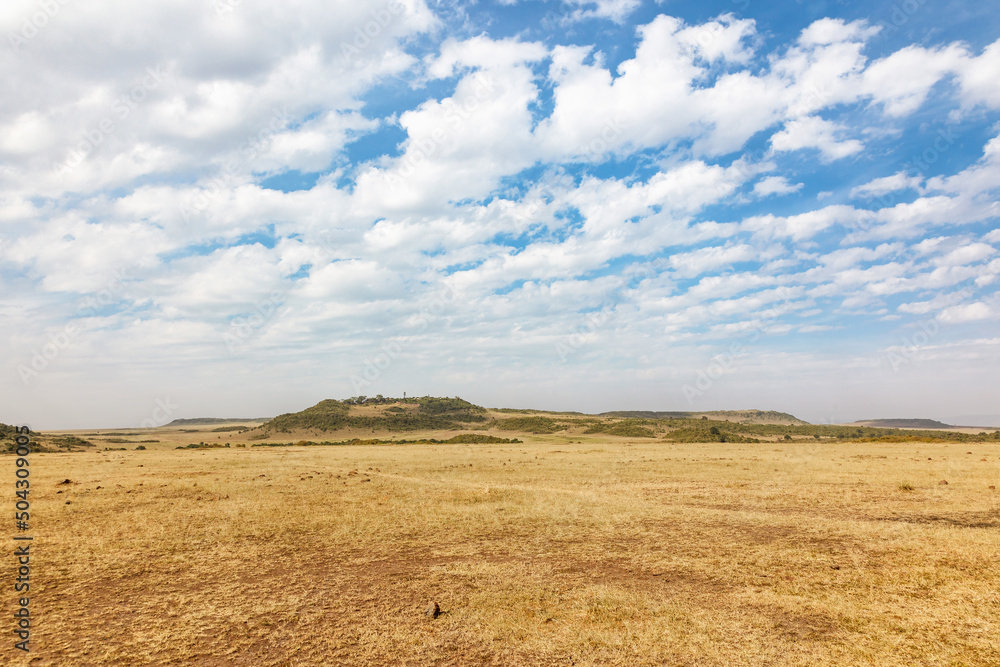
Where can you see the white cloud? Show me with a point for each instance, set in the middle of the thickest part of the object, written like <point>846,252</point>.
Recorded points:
<point>978,77</point>
<point>971,312</point>
<point>615,10</point>
<point>831,31</point>
<point>775,185</point>
<point>28,133</point>
<point>881,186</point>
<point>967,254</point>
<point>902,80</point>
<point>803,225</point>
<point>697,262</point>
<point>725,38</point>
<point>813,132</point>
<point>483,53</point>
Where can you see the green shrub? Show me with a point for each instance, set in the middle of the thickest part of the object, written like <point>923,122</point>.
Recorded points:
<point>627,429</point>
<point>529,424</point>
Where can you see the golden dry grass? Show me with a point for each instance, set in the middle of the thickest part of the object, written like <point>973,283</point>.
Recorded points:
<point>546,553</point>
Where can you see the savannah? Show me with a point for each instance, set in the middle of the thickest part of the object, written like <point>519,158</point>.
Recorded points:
<point>435,532</point>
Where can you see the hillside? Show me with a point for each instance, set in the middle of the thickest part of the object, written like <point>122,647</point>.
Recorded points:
<point>903,423</point>
<point>743,416</point>
<point>199,421</point>
<point>389,415</point>
<point>364,419</point>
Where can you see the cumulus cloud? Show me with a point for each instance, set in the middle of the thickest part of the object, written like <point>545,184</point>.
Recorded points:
<point>967,313</point>
<point>775,185</point>
<point>816,133</point>
<point>615,10</point>
<point>388,172</point>
<point>886,184</point>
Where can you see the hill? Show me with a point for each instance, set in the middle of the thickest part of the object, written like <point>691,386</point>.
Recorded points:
<point>389,415</point>
<point>198,421</point>
<point>903,423</point>
<point>744,416</point>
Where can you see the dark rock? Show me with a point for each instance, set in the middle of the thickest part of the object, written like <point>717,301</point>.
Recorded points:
<point>432,611</point>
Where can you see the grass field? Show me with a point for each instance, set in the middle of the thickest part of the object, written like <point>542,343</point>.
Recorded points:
<point>545,553</point>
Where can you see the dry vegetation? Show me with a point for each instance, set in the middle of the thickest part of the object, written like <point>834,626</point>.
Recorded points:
<point>551,552</point>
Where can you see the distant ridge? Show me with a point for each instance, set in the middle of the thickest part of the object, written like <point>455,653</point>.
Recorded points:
<point>903,423</point>
<point>214,420</point>
<point>756,415</point>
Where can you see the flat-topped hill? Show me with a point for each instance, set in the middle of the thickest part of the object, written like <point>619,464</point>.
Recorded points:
<point>903,423</point>
<point>200,421</point>
<point>427,413</point>
<point>745,416</point>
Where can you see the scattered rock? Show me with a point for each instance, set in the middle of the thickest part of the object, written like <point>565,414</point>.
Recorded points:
<point>834,567</point>
<point>433,611</point>
<point>65,481</point>
<point>943,482</point>
<point>993,487</point>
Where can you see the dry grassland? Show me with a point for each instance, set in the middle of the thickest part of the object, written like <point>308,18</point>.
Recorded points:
<point>546,553</point>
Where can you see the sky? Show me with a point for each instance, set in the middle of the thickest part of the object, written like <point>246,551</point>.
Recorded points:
<point>238,208</point>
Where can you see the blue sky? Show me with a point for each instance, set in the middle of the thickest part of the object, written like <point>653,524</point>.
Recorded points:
<point>236,209</point>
